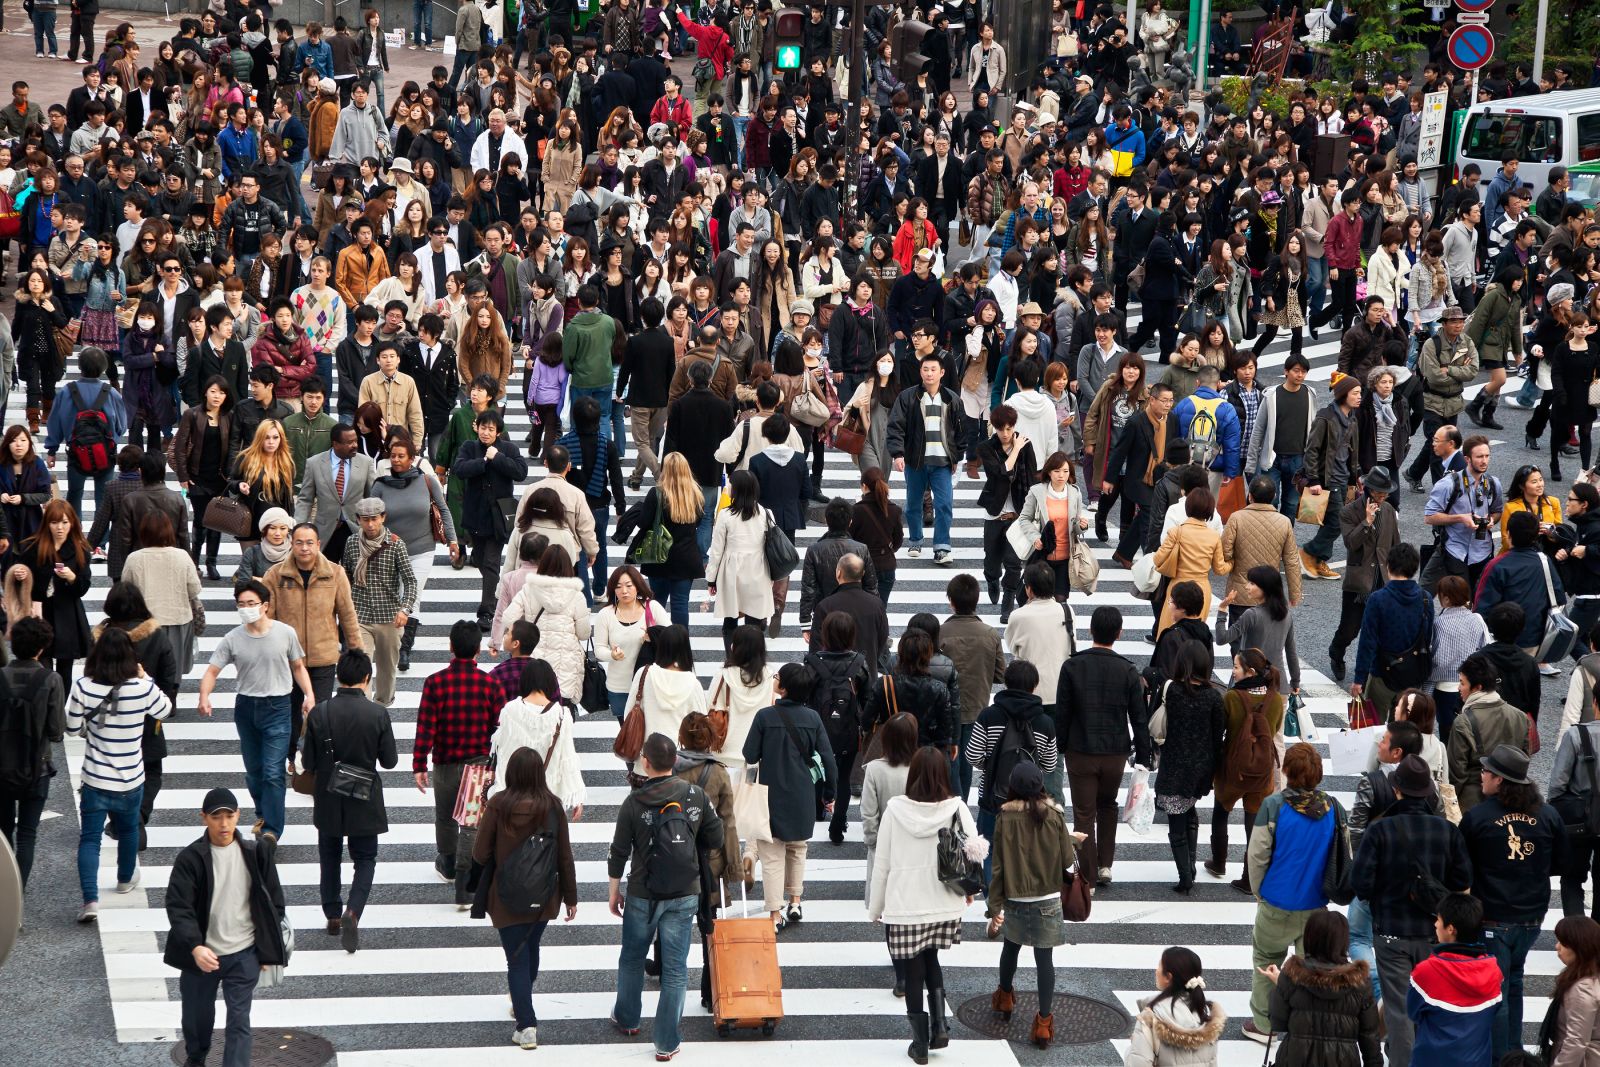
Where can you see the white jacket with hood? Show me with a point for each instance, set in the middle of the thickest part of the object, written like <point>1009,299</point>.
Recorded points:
<point>556,606</point>
<point>1036,420</point>
<point>1169,1033</point>
<point>905,889</point>
<point>667,697</point>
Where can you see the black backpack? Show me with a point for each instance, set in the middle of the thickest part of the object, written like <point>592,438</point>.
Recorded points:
<point>835,698</point>
<point>673,864</point>
<point>530,876</point>
<point>24,752</point>
<point>1017,743</point>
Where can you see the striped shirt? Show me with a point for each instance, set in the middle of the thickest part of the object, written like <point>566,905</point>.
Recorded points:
<point>113,762</point>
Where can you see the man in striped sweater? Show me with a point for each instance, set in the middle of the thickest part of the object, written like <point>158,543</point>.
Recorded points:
<point>112,698</point>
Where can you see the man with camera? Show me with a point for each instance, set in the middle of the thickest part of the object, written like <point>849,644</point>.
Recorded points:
<point>1463,508</point>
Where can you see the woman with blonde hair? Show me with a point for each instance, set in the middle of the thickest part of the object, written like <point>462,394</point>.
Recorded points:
<point>672,578</point>
<point>263,476</point>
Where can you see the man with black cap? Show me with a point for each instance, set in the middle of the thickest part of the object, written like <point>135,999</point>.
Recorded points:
<point>1517,842</point>
<point>1409,840</point>
<point>225,908</point>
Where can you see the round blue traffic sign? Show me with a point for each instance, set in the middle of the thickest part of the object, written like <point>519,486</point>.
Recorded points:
<point>1470,46</point>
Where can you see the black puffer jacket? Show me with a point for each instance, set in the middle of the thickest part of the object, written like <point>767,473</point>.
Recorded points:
<point>1326,1014</point>
<point>921,695</point>
<point>1195,727</point>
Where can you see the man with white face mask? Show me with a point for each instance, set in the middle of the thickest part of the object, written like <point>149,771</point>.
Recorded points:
<point>269,661</point>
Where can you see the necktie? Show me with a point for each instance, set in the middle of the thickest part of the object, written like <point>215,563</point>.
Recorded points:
<point>338,481</point>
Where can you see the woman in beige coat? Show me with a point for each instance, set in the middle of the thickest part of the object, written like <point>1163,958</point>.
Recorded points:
<point>1571,1034</point>
<point>736,570</point>
<point>563,162</point>
<point>1192,552</point>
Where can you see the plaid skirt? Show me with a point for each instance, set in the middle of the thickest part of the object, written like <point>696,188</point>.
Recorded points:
<point>908,941</point>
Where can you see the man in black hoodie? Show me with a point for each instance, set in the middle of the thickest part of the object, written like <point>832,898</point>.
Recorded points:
<point>1099,699</point>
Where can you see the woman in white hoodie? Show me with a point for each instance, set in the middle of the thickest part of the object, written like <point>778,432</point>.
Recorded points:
<point>552,599</point>
<point>1178,1027</point>
<point>921,915</point>
<point>537,720</point>
<point>740,689</point>
<point>667,689</point>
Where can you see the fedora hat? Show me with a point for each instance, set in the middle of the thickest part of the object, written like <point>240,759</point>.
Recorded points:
<point>1412,777</point>
<point>1508,762</point>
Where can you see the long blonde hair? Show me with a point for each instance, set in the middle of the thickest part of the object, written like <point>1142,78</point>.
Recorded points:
<point>685,502</point>
<point>273,471</point>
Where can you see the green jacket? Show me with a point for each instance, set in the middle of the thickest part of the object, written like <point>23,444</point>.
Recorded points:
<point>1027,858</point>
<point>307,438</point>
<point>1496,324</point>
<point>586,349</point>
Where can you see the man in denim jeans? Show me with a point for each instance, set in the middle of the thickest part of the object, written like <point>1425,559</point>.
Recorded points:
<point>269,661</point>
<point>1516,841</point>
<point>924,438</point>
<point>82,395</point>
<point>663,892</point>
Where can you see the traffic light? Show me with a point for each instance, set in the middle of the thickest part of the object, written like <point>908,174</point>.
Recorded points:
<point>791,25</point>
<point>906,47</point>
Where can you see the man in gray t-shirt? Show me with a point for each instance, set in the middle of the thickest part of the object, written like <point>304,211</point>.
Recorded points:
<point>269,661</point>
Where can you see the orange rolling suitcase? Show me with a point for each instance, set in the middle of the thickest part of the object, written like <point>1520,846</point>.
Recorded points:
<point>746,985</point>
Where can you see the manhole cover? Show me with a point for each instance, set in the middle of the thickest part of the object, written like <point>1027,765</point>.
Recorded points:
<point>1079,1020</point>
<point>281,1048</point>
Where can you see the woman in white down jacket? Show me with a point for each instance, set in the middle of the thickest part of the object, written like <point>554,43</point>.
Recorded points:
<point>921,915</point>
<point>736,570</point>
<point>552,599</point>
<point>742,687</point>
<point>1178,1026</point>
<point>538,721</point>
<point>666,690</point>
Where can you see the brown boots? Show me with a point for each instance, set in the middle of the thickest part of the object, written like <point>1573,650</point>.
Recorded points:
<point>1004,1002</point>
<point>1044,1030</point>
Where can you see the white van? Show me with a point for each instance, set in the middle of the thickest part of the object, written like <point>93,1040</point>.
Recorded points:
<point>1544,131</point>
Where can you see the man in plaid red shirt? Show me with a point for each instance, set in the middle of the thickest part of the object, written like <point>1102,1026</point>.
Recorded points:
<point>459,711</point>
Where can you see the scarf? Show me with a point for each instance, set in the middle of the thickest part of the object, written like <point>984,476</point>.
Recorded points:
<point>1312,803</point>
<point>1158,454</point>
<point>368,549</point>
<point>275,553</point>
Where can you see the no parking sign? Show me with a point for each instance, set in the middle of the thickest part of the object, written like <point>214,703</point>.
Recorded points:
<point>1471,45</point>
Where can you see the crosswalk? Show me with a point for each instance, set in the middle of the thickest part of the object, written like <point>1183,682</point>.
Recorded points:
<point>428,985</point>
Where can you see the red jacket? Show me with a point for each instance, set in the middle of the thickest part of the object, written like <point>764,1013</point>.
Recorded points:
<point>711,42</point>
<point>1341,242</point>
<point>679,114</point>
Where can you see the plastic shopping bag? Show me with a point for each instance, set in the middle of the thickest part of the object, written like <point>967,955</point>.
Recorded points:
<point>1139,810</point>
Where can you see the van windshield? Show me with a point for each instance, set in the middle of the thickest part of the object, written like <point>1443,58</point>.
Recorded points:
<point>1534,138</point>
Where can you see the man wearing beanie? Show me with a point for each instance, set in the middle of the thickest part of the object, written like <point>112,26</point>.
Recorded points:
<point>225,908</point>
<point>1329,470</point>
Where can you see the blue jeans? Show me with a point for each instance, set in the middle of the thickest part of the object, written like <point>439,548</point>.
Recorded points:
<point>675,593</point>
<point>598,565</point>
<point>642,921</point>
<point>263,725</point>
<point>1360,916</point>
<point>75,480</point>
<point>123,810</point>
<point>1510,943</point>
<point>1282,473</point>
<point>1317,283</point>
<point>422,22</point>
<point>919,480</point>
<point>44,26</point>
<point>521,945</point>
<point>237,974</point>
<point>703,535</point>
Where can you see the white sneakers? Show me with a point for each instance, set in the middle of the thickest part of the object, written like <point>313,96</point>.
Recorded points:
<point>527,1037</point>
